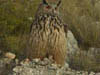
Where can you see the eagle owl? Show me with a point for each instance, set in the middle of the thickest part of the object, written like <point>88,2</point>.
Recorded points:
<point>47,35</point>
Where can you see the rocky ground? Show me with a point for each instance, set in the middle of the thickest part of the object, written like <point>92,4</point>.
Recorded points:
<point>10,65</point>
<point>37,67</point>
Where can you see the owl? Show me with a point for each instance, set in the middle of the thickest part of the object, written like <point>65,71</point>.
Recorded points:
<point>47,35</point>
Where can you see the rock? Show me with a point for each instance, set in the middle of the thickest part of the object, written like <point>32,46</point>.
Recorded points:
<point>97,74</point>
<point>23,70</point>
<point>10,55</point>
<point>92,73</point>
<point>71,43</point>
<point>75,55</point>
<point>35,68</point>
<point>6,66</point>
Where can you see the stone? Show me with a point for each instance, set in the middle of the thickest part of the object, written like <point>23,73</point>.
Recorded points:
<point>10,55</point>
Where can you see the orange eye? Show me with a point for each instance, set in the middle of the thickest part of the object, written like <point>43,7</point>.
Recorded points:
<point>48,7</point>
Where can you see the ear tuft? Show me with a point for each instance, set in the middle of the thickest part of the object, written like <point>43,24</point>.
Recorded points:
<point>59,3</point>
<point>44,2</point>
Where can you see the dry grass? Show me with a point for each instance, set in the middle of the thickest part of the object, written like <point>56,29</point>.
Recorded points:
<point>85,61</point>
<point>83,18</point>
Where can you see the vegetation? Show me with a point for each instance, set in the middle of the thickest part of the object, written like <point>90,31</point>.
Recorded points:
<point>15,19</point>
<point>85,61</point>
<point>83,18</point>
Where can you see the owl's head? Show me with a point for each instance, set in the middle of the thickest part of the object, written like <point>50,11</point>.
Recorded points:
<point>49,6</point>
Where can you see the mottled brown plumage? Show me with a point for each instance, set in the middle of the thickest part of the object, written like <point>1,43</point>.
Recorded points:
<point>47,36</point>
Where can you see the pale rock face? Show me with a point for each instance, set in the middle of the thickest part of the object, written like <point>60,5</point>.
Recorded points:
<point>72,45</point>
